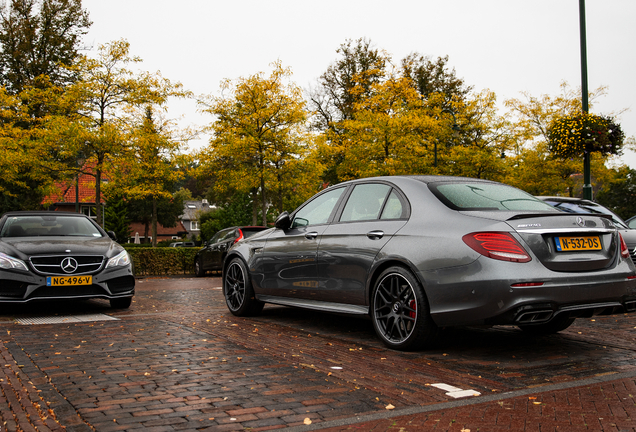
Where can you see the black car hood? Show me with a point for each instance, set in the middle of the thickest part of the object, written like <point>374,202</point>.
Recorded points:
<point>23,247</point>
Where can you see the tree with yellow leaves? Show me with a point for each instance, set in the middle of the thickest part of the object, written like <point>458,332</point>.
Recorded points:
<point>110,93</point>
<point>391,132</point>
<point>21,186</point>
<point>260,141</point>
<point>483,137</point>
<point>149,168</point>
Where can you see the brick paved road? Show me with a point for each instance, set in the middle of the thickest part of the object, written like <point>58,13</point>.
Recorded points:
<point>177,360</point>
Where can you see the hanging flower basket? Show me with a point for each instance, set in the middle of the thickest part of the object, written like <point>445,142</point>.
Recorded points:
<point>570,136</point>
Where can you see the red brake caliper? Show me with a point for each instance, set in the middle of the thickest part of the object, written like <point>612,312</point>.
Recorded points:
<point>413,306</point>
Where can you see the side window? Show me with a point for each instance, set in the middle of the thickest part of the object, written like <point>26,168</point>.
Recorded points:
<point>318,210</point>
<point>365,202</point>
<point>393,209</point>
<point>230,235</point>
<point>218,236</point>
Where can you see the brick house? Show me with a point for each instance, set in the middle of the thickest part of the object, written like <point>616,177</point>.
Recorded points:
<point>69,198</point>
<point>79,199</point>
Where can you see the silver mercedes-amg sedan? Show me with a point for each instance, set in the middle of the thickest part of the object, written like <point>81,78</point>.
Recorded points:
<point>417,253</point>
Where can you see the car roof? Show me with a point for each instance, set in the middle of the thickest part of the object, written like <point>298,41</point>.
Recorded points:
<point>422,178</point>
<point>42,213</point>
<point>242,227</point>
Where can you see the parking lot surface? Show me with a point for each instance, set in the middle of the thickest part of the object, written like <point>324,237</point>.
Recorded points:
<point>177,360</point>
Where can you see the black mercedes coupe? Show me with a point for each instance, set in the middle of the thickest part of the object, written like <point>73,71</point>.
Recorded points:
<point>58,255</point>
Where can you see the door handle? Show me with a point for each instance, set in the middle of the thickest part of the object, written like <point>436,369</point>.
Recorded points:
<point>375,235</point>
<point>311,235</point>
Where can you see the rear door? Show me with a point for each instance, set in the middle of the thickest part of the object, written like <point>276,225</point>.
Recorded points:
<point>217,250</point>
<point>373,213</point>
<point>206,252</point>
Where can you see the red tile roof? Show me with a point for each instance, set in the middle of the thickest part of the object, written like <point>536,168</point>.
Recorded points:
<point>161,230</point>
<point>66,190</point>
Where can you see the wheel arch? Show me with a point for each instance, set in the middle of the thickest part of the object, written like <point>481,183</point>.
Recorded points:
<point>228,258</point>
<point>385,264</point>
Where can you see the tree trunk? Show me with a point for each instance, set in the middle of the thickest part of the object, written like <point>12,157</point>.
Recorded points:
<point>280,193</point>
<point>154,221</point>
<point>98,193</point>
<point>264,202</point>
<point>254,207</point>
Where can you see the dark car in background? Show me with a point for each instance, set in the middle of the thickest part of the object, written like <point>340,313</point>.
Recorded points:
<point>583,206</point>
<point>417,253</point>
<point>212,255</point>
<point>57,255</point>
<point>182,244</point>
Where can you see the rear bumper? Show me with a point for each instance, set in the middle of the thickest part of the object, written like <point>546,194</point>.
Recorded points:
<point>542,313</point>
<point>474,295</point>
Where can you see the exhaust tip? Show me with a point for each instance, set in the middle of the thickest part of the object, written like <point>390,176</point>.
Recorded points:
<point>630,306</point>
<point>534,317</point>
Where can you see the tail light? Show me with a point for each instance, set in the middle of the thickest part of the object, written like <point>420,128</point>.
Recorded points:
<point>497,245</point>
<point>624,248</point>
<point>240,237</point>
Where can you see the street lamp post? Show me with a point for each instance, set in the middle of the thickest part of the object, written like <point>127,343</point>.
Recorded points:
<point>587,176</point>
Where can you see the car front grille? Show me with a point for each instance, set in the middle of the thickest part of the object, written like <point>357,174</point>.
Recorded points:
<point>67,264</point>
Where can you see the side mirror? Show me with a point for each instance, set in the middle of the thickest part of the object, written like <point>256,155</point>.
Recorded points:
<point>112,235</point>
<point>283,221</point>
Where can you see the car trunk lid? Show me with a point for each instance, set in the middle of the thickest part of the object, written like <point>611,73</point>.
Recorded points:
<point>569,243</point>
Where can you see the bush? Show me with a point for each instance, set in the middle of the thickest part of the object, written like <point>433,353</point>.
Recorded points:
<point>162,261</point>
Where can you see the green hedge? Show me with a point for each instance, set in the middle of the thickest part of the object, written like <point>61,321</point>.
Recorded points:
<point>163,261</point>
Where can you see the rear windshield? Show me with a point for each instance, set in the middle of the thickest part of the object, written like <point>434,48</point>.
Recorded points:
<point>48,226</point>
<point>487,197</point>
<point>249,232</point>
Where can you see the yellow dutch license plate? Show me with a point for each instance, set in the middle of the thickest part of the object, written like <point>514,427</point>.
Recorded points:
<point>69,280</point>
<point>567,244</point>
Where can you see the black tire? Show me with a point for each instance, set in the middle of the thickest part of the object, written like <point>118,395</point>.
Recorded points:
<point>400,311</point>
<point>557,324</point>
<point>121,303</point>
<point>238,291</point>
<point>198,268</point>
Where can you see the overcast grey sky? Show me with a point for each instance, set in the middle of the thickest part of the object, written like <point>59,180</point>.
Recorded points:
<point>507,46</point>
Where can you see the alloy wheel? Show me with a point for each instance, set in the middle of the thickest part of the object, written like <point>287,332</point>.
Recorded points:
<point>395,308</point>
<point>235,286</point>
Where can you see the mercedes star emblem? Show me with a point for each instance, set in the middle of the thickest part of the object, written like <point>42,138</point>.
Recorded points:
<point>69,265</point>
<point>580,222</point>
